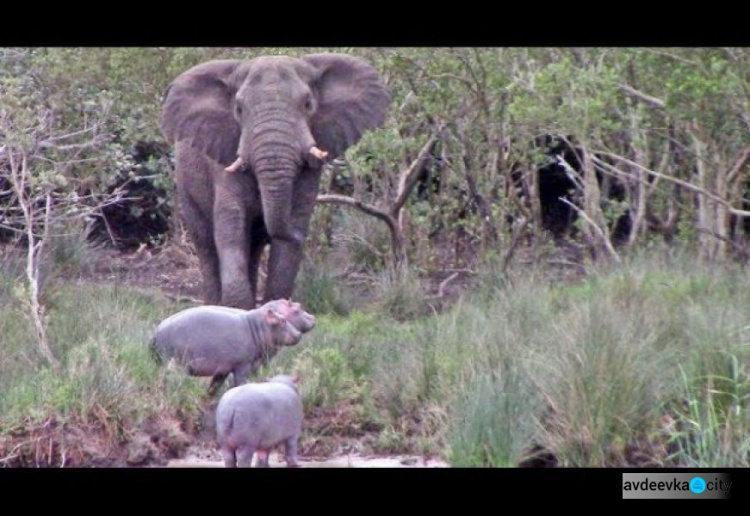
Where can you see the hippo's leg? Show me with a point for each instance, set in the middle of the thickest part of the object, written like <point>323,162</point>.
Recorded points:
<point>262,458</point>
<point>216,382</point>
<point>292,461</point>
<point>230,460</point>
<point>241,373</point>
<point>245,456</point>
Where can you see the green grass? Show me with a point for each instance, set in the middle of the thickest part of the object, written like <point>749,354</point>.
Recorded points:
<point>644,364</point>
<point>108,378</point>
<point>319,292</point>
<point>593,372</point>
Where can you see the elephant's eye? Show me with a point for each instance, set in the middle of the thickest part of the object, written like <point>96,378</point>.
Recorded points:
<point>308,105</point>
<point>238,110</point>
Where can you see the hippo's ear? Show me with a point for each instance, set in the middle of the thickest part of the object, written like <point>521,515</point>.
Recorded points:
<point>296,378</point>
<point>272,317</point>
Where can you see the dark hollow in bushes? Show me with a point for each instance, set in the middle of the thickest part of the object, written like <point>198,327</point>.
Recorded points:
<point>555,184</point>
<point>144,215</point>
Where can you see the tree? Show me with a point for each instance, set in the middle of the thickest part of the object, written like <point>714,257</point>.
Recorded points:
<point>36,157</point>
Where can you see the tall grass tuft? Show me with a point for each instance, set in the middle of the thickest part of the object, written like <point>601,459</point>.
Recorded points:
<point>100,334</point>
<point>645,364</point>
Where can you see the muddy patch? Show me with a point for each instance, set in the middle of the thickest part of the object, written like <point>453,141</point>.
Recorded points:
<point>205,457</point>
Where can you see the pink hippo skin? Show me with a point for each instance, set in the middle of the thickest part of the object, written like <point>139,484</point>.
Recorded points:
<point>216,341</point>
<point>257,417</point>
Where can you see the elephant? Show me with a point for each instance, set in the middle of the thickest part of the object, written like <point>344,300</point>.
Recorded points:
<point>250,140</point>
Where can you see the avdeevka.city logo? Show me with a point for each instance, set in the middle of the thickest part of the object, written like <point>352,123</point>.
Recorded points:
<point>697,485</point>
<point>676,485</point>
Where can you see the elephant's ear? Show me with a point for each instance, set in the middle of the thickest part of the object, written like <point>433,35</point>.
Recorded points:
<point>197,108</point>
<point>352,98</point>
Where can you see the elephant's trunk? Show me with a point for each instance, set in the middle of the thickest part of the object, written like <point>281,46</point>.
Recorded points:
<point>276,189</point>
<point>273,150</point>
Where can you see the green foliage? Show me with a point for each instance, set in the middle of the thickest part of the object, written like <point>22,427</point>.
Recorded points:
<point>643,364</point>
<point>710,427</point>
<point>596,365</point>
<point>493,420</point>
<point>101,335</point>
<point>640,365</point>
<point>483,95</point>
<point>327,378</point>
<point>400,294</point>
<point>319,291</point>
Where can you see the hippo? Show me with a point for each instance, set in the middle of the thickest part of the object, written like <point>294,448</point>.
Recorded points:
<point>257,417</point>
<point>214,340</point>
<point>292,311</point>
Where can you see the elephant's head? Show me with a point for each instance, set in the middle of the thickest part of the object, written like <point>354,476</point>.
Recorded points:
<point>273,116</point>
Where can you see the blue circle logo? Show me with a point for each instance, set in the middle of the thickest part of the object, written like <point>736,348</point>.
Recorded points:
<point>697,485</point>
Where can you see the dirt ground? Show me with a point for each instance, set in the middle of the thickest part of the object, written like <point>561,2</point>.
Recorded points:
<point>206,456</point>
<point>173,269</point>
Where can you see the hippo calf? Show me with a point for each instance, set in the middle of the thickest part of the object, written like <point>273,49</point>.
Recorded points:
<point>257,417</point>
<point>215,340</point>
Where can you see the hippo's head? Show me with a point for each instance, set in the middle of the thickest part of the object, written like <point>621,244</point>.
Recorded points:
<point>283,333</point>
<point>294,313</point>
<point>291,381</point>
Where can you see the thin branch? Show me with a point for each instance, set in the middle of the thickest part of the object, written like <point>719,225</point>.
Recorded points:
<point>685,184</point>
<point>644,97</point>
<point>356,203</point>
<point>463,80</point>
<point>470,272</point>
<point>392,223</point>
<point>671,56</point>
<point>599,231</point>
<point>567,263</point>
<point>572,173</point>
<point>443,284</point>
<point>409,176</point>
<point>72,146</point>
<point>49,141</point>
<point>741,162</point>
<point>182,299</point>
<point>517,232</point>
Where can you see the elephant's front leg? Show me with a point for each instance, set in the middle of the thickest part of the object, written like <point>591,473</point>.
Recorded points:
<point>258,241</point>
<point>230,235</point>
<point>283,266</point>
<point>286,254</point>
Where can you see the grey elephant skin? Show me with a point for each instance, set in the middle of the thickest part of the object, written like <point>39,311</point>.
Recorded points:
<point>257,417</point>
<point>250,139</point>
<point>216,340</point>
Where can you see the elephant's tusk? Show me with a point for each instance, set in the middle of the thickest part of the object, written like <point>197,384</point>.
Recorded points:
<point>234,167</point>
<point>320,154</point>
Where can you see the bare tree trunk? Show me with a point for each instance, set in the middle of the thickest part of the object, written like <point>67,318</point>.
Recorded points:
<point>638,214</point>
<point>20,179</point>
<point>531,184</point>
<point>596,231</point>
<point>639,198</point>
<point>712,217</point>
<point>736,180</point>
